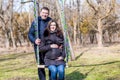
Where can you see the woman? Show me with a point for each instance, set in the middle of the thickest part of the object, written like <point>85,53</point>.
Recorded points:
<point>53,46</point>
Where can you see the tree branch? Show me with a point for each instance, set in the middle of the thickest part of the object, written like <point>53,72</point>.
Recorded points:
<point>1,17</point>
<point>26,2</point>
<point>96,11</point>
<point>110,10</point>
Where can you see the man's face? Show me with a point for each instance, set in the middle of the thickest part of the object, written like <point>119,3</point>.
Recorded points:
<point>44,14</point>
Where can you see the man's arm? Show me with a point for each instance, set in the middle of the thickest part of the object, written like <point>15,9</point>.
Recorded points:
<point>43,47</point>
<point>31,33</point>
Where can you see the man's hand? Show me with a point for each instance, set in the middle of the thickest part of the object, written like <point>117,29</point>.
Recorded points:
<point>60,47</point>
<point>54,46</point>
<point>37,41</point>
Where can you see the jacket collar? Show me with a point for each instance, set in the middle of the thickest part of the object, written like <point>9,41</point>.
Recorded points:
<point>40,19</point>
<point>52,32</point>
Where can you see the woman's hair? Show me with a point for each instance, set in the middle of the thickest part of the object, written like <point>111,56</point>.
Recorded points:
<point>47,30</point>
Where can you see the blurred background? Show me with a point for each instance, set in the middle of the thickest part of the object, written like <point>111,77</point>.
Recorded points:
<point>89,21</point>
<point>93,28</point>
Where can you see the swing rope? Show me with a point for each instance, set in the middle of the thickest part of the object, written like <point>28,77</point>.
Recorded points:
<point>36,32</point>
<point>67,45</point>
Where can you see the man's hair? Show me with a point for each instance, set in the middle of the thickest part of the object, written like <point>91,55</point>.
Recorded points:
<point>45,8</point>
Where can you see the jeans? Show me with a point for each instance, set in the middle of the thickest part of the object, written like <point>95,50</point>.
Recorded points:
<point>57,70</point>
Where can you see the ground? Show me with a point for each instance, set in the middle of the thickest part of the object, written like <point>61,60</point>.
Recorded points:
<point>92,63</point>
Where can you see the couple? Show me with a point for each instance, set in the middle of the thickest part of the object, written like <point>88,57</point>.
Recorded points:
<point>51,46</point>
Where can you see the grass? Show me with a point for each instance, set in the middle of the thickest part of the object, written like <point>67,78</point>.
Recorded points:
<point>87,66</point>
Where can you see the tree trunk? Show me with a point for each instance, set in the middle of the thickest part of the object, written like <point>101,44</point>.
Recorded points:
<point>29,18</point>
<point>11,26</point>
<point>1,5</point>
<point>100,35</point>
<point>75,33</point>
<point>7,42</point>
<point>6,34</point>
<point>78,20</point>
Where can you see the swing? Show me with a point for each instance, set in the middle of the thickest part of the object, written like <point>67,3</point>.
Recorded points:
<point>67,45</point>
<point>41,66</point>
<point>36,33</point>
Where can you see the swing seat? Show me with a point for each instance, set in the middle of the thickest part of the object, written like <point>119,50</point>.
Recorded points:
<point>44,66</point>
<point>41,66</point>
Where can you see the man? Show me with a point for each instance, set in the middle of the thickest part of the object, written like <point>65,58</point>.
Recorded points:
<point>43,20</point>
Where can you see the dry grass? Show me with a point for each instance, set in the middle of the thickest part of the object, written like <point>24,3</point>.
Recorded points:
<point>91,63</point>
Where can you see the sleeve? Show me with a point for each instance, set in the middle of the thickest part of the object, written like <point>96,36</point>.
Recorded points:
<point>63,47</point>
<point>63,52</point>
<point>31,33</point>
<point>43,47</point>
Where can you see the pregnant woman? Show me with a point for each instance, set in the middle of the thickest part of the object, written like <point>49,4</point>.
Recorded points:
<point>53,47</point>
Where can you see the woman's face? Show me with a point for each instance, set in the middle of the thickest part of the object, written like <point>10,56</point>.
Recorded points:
<point>53,26</point>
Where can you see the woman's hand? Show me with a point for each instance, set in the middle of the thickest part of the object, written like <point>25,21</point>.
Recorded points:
<point>60,47</point>
<point>60,58</point>
<point>54,46</point>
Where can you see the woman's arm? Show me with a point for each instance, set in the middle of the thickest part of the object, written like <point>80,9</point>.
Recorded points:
<point>62,57</point>
<point>43,47</point>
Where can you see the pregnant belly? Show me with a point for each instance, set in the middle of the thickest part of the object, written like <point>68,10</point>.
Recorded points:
<point>53,54</point>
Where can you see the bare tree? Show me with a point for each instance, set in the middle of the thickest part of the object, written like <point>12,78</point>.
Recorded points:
<point>4,20</point>
<point>101,11</point>
<point>11,21</point>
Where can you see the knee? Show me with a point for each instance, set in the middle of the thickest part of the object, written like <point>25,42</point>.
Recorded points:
<point>61,69</point>
<point>52,69</point>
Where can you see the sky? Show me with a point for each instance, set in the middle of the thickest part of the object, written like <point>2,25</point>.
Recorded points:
<point>25,7</point>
